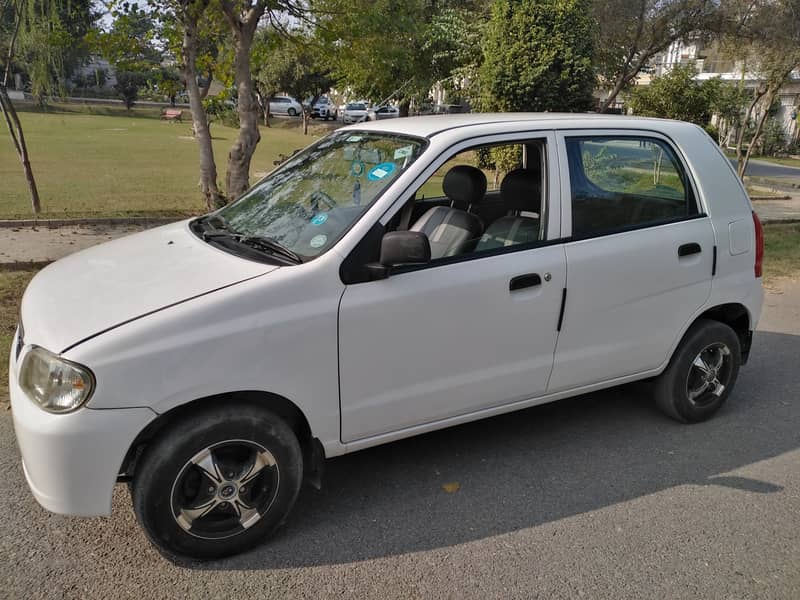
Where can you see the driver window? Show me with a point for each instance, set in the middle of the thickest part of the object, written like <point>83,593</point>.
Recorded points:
<point>481,199</point>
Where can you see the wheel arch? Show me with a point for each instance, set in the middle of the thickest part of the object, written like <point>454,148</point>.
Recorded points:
<point>313,452</point>
<point>736,316</point>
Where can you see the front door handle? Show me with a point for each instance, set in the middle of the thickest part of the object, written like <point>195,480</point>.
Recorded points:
<point>524,281</point>
<point>689,249</point>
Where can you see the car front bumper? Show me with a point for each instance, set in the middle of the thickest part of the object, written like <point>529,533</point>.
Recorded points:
<point>71,461</point>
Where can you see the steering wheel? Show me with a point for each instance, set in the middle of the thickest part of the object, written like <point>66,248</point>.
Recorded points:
<point>325,198</point>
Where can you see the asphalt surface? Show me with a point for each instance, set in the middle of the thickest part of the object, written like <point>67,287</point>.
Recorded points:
<point>763,168</point>
<point>598,497</point>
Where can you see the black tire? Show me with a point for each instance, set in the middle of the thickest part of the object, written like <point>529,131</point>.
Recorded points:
<point>168,466</point>
<point>291,112</point>
<point>690,393</point>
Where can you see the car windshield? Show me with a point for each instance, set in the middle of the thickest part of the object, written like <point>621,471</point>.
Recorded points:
<point>308,203</point>
<point>356,107</point>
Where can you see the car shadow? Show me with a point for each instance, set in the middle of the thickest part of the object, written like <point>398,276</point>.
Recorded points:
<point>533,467</point>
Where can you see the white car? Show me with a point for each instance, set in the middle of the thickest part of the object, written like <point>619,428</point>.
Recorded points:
<point>383,112</point>
<point>354,112</point>
<point>373,288</point>
<point>284,105</point>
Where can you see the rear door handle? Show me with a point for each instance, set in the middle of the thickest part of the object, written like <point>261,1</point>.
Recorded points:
<point>689,249</point>
<point>524,281</point>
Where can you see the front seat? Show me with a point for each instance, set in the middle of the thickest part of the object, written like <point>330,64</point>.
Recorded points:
<point>521,193</point>
<point>452,230</point>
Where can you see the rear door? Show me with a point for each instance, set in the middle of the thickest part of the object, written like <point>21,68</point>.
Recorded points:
<point>640,255</point>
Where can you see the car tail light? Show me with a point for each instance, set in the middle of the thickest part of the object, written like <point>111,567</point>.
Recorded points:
<point>759,244</point>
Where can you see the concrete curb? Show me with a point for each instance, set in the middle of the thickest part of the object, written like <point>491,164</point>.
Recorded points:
<point>55,223</point>
<point>24,265</point>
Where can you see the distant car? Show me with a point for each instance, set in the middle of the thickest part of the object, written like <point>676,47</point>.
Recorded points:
<point>355,112</point>
<point>383,112</point>
<point>324,109</point>
<point>448,109</point>
<point>284,105</point>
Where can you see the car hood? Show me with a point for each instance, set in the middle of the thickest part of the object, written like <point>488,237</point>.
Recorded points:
<point>95,290</point>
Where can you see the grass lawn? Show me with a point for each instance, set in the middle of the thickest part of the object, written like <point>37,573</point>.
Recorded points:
<point>12,284</point>
<point>103,161</point>
<point>781,250</point>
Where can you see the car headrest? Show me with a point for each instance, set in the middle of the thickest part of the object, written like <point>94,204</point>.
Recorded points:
<point>520,190</point>
<point>464,185</point>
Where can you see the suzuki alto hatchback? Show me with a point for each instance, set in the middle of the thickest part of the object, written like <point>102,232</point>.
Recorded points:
<point>394,278</point>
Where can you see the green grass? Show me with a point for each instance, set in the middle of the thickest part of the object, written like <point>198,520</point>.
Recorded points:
<point>781,250</point>
<point>12,284</point>
<point>102,161</point>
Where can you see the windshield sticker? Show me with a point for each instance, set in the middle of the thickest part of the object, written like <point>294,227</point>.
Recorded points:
<point>318,241</point>
<point>380,171</point>
<point>319,219</point>
<point>403,152</point>
<point>357,168</point>
<point>354,138</point>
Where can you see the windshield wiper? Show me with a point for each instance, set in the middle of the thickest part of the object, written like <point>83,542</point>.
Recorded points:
<point>256,243</point>
<point>217,228</point>
<point>270,245</point>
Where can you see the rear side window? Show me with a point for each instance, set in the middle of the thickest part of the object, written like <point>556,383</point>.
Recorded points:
<point>621,183</point>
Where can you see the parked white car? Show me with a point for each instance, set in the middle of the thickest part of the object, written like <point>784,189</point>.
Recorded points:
<point>383,112</point>
<point>324,109</point>
<point>374,288</point>
<point>284,105</point>
<point>354,112</point>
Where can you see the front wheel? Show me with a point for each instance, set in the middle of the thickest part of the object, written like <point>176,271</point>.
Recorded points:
<point>701,374</point>
<point>291,112</point>
<point>217,483</point>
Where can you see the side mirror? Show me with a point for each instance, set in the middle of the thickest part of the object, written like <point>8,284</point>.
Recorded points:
<point>401,248</point>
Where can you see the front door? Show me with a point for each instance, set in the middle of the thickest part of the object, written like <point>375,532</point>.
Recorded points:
<point>465,332</point>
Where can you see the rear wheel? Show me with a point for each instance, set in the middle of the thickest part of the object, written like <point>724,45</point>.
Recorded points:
<point>217,483</point>
<point>291,112</point>
<point>701,374</point>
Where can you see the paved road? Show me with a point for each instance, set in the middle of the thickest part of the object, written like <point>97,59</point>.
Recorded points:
<point>762,168</point>
<point>597,497</point>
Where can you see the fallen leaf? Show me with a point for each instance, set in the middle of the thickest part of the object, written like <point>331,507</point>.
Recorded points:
<point>452,487</point>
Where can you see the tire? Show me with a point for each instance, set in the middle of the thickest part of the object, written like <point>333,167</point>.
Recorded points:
<point>194,511</point>
<point>701,373</point>
<point>291,112</point>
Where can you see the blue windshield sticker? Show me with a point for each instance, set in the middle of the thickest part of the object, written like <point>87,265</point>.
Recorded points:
<point>380,171</point>
<point>318,241</point>
<point>319,219</point>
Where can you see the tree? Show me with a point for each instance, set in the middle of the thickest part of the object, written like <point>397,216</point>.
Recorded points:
<point>677,95</point>
<point>382,49</point>
<point>632,32</point>
<point>127,86</point>
<point>35,28</point>
<point>295,68</point>
<point>538,56</point>
<point>129,44</point>
<point>765,36</point>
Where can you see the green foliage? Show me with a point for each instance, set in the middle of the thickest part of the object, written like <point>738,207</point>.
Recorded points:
<point>295,67</point>
<point>677,95</point>
<point>128,85</point>
<point>130,43</point>
<point>538,56</point>
<point>384,49</point>
<point>220,108</point>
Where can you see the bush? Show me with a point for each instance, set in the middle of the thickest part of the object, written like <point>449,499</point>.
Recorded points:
<point>127,86</point>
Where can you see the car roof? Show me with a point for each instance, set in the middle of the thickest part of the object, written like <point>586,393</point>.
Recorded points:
<point>428,126</point>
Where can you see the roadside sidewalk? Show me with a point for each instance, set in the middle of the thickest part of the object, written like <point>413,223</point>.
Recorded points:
<point>44,244</point>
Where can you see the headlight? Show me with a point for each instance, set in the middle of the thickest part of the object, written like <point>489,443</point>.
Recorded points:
<point>55,384</point>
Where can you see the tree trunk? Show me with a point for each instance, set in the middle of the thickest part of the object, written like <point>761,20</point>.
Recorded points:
<point>243,29</point>
<point>18,138</point>
<point>305,121</point>
<point>741,162</point>
<point>202,132</point>
<point>770,97</point>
